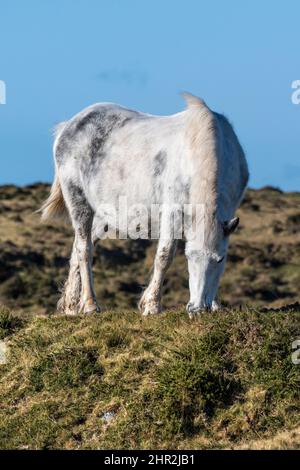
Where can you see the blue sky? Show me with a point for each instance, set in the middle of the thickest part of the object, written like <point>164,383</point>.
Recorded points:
<point>58,56</point>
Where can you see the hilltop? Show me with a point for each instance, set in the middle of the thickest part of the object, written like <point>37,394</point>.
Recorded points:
<point>116,380</point>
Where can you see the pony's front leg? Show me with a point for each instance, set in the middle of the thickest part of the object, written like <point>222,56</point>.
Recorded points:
<point>150,303</point>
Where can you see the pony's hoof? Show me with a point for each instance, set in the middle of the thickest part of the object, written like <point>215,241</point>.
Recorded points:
<point>71,313</point>
<point>90,307</point>
<point>70,310</point>
<point>194,312</point>
<point>215,306</point>
<point>151,309</point>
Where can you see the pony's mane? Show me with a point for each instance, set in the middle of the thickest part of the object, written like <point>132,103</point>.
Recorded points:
<point>202,135</point>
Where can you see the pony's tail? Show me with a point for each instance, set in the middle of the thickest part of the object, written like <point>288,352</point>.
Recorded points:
<point>54,207</point>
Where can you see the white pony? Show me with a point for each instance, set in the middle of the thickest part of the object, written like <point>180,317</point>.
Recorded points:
<point>191,158</point>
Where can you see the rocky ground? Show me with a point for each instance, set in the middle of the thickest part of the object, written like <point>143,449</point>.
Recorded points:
<point>263,267</point>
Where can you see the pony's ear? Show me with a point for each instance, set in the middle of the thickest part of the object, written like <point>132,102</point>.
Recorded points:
<point>230,225</point>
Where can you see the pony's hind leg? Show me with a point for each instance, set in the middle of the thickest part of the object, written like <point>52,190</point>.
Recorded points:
<point>81,262</point>
<point>70,299</point>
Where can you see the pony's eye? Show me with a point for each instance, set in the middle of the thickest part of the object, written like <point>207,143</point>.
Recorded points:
<point>220,260</point>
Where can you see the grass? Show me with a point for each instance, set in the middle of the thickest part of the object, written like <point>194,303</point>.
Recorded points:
<point>225,380</point>
<point>9,324</point>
